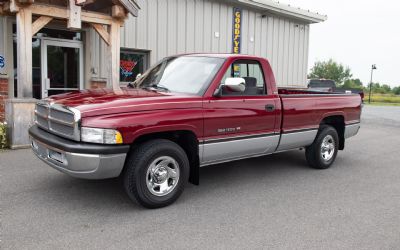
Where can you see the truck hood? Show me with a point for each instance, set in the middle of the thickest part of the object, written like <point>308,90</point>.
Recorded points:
<point>106,101</point>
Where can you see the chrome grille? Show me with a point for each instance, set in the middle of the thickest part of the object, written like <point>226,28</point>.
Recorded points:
<point>58,119</point>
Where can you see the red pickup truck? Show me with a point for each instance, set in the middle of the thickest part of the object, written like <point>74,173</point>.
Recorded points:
<point>186,112</point>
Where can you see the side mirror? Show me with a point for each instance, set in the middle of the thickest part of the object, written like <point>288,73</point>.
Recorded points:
<point>138,76</point>
<point>235,84</point>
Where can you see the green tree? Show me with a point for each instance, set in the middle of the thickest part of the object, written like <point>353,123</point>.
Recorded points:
<point>353,84</point>
<point>330,70</point>
<point>396,90</point>
<point>386,89</point>
<point>381,89</point>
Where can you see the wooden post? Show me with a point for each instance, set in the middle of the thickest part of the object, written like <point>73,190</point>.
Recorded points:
<point>114,50</point>
<point>74,16</point>
<point>24,52</point>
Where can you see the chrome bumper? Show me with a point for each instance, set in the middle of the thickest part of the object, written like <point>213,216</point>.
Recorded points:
<point>86,166</point>
<point>82,160</point>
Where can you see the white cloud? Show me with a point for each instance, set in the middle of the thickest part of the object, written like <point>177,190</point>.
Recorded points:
<point>357,34</point>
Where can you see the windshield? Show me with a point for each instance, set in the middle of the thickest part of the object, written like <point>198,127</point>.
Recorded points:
<point>186,74</point>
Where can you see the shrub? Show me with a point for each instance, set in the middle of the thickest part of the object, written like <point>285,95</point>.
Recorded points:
<point>3,135</point>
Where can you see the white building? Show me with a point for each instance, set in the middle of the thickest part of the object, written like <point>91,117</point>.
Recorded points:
<point>65,60</point>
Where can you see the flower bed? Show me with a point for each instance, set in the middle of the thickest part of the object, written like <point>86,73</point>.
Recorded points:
<point>3,135</point>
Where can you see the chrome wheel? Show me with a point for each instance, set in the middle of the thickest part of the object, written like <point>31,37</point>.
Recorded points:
<point>327,148</point>
<point>162,175</point>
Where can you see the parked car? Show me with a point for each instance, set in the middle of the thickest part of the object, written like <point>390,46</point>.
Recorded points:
<point>326,85</point>
<point>187,112</point>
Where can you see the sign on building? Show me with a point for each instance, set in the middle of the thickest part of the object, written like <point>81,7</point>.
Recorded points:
<point>236,31</point>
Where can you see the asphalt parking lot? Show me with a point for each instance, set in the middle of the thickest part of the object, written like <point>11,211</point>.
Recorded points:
<point>274,202</point>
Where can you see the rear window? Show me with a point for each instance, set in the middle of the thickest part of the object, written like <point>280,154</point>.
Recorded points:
<point>321,84</point>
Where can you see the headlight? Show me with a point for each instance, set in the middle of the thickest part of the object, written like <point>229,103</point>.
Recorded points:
<point>99,135</point>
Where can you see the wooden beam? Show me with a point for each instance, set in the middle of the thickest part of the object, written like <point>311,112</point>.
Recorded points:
<point>80,2</point>
<point>91,17</point>
<point>40,23</point>
<point>114,50</point>
<point>118,12</point>
<point>74,16</point>
<point>12,6</point>
<point>25,1</point>
<point>24,52</point>
<point>62,13</point>
<point>102,32</point>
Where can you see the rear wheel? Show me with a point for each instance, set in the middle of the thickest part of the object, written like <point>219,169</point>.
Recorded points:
<point>155,173</point>
<point>322,153</point>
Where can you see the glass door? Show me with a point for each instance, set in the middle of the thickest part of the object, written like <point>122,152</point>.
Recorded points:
<point>62,66</point>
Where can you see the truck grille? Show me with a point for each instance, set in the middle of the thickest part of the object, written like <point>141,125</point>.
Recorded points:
<point>58,119</point>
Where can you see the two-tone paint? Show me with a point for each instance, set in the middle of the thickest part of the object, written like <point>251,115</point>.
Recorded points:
<point>226,127</point>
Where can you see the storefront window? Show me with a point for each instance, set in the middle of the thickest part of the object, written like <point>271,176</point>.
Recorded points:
<point>132,63</point>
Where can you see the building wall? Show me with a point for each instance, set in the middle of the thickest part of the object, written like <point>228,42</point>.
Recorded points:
<point>3,71</point>
<point>3,97</point>
<point>185,26</point>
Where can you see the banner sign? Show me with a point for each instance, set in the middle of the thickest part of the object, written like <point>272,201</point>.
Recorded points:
<point>127,67</point>
<point>237,31</point>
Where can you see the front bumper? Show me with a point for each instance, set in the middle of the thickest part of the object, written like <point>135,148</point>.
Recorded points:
<point>82,160</point>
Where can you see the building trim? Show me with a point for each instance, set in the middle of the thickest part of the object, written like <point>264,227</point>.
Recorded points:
<point>287,10</point>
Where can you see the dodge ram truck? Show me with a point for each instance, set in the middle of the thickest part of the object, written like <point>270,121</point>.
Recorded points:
<point>186,112</point>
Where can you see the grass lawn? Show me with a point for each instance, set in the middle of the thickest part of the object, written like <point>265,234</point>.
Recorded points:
<point>381,99</point>
<point>381,103</point>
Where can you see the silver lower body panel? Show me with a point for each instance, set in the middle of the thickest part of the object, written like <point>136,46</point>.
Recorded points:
<point>85,166</point>
<point>297,139</point>
<point>351,130</point>
<point>218,152</point>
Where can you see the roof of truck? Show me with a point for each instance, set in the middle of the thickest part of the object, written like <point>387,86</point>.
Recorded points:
<point>219,55</point>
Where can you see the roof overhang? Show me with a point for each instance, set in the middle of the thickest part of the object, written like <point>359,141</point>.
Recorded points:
<point>131,6</point>
<point>285,10</point>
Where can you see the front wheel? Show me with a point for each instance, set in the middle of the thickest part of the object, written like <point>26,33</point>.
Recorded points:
<point>155,173</point>
<point>322,153</point>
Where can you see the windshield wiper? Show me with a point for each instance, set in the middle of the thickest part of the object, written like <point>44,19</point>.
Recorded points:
<point>157,87</point>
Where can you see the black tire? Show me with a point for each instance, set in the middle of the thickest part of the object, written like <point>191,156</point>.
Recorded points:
<point>314,154</point>
<point>136,176</point>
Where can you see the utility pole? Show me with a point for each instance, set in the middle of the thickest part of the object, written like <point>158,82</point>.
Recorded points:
<point>370,83</point>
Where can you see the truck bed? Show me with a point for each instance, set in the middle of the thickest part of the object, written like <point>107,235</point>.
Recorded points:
<point>303,108</point>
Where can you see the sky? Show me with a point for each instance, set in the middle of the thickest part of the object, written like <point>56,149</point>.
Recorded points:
<point>357,34</point>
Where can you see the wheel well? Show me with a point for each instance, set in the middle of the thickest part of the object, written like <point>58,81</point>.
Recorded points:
<point>337,122</point>
<point>188,142</point>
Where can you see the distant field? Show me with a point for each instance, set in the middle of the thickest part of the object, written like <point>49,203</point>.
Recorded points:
<point>383,99</point>
<point>381,103</point>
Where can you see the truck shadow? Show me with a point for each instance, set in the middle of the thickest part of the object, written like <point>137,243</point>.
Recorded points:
<point>92,194</point>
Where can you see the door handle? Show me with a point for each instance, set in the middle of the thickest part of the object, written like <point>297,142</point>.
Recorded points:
<point>270,107</point>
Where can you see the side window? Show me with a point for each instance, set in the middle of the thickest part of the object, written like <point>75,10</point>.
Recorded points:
<point>251,72</point>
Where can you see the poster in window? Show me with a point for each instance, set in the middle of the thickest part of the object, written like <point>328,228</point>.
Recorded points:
<point>131,64</point>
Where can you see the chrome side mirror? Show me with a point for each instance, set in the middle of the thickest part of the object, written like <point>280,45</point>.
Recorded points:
<point>235,84</point>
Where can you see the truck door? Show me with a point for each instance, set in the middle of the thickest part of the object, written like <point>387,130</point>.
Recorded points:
<point>240,124</point>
